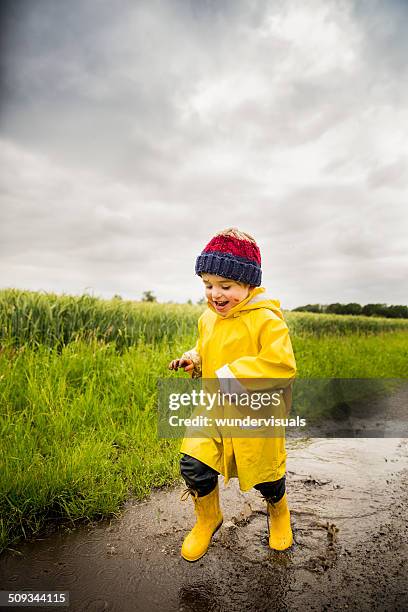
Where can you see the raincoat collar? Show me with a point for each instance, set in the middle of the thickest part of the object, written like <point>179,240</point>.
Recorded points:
<point>255,297</point>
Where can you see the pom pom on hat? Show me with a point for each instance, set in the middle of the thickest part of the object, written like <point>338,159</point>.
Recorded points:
<point>232,254</point>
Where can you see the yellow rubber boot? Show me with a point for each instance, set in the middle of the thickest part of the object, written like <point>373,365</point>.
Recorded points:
<point>280,531</point>
<point>209,519</point>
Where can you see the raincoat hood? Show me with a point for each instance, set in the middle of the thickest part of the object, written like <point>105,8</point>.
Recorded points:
<point>257,298</point>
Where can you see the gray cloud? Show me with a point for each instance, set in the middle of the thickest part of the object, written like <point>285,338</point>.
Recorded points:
<point>132,132</point>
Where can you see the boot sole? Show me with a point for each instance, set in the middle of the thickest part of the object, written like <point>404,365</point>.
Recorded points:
<point>202,555</point>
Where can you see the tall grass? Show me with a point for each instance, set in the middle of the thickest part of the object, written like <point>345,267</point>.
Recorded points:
<point>48,319</point>
<point>78,391</point>
<point>78,432</point>
<point>321,325</point>
<point>384,355</point>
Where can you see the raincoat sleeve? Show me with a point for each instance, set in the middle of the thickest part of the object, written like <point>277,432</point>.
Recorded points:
<point>274,362</point>
<point>195,354</point>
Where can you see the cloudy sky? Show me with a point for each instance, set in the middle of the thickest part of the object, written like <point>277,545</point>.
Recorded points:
<point>132,131</point>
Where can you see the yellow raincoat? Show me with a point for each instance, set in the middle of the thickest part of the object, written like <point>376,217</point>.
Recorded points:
<point>250,341</point>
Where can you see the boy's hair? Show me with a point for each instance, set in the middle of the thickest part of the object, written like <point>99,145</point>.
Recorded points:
<point>236,233</point>
<point>232,254</point>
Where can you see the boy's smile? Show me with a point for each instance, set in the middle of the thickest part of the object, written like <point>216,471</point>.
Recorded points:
<point>224,293</point>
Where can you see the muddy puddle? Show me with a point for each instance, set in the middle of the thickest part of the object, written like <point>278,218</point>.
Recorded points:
<point>348,499</point>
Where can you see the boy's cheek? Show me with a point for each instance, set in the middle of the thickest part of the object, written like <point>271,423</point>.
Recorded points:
<point>237,300</point>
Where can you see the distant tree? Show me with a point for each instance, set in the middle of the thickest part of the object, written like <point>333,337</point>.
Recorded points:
<point>202,301</point>
<point>398,312</point>
<point>148,296</point>
<point>189,302</point>
<point>335,308</point>
<point>382,310</point>
<point>353,308</point>
<point>309,308</point>
<point>117,297</point>
<point>375,310</point>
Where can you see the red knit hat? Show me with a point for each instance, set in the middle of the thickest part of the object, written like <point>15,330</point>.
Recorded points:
<point>232,254</point>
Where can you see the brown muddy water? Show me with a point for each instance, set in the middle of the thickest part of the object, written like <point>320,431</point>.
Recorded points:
<point>348,500</point>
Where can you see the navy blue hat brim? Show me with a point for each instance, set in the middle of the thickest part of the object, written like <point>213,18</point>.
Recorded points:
<point>229,266</point>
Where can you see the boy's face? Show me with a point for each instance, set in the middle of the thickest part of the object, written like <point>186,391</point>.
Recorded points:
<point>224,293</point>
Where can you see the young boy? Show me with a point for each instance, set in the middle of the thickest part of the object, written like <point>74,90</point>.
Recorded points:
<point>242,335</point>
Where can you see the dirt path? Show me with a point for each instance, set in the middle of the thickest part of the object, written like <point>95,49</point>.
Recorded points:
<point>348,499</point>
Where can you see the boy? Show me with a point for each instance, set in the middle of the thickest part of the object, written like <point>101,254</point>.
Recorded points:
<point>242,335</point>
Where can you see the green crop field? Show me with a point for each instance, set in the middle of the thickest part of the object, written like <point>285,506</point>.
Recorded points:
<point>78,380</point>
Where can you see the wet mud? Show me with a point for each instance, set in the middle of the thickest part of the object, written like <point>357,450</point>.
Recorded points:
<point>348,501</point>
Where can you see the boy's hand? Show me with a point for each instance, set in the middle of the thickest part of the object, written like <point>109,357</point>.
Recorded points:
<point>187,364</point>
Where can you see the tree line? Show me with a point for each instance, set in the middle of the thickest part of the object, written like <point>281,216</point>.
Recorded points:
<point>369,310</point>
<point>352,308</point>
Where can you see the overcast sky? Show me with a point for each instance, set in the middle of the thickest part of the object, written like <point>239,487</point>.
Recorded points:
<point>132,131</point>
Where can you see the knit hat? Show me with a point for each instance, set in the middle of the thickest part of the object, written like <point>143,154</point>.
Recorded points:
<point>232,254</point>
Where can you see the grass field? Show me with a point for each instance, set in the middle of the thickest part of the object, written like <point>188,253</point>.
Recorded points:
<point>78,383</point>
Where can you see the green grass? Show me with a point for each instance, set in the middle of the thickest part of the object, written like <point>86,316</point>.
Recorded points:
<point>79,432</point>
<point>341,325</point>
<point>384,355</point>
<point>78,418</point>
<point>29,317</point>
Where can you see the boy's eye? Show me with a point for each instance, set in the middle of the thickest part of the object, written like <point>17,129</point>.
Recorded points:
<point>226,288</point>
